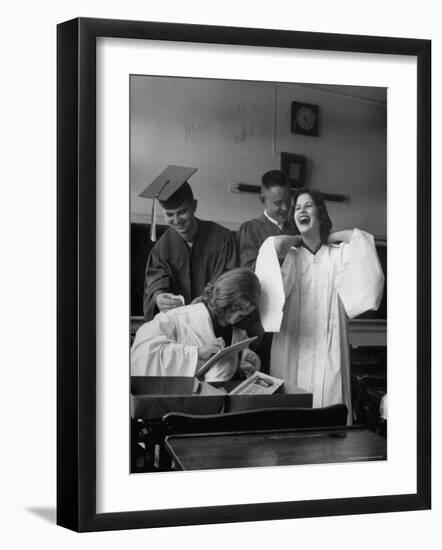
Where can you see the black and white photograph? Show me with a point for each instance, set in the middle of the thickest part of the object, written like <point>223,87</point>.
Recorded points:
<point>258,274</point>
<point>220,255</point>
<point>224,348</point>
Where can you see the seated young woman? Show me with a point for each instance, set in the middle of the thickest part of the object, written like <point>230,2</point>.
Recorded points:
<point>177,342</point>
<point>325,279</point>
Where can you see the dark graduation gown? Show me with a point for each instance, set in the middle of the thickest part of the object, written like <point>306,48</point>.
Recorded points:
<point>253,233</point>
<point>250,237</point>
<point>175,267</point>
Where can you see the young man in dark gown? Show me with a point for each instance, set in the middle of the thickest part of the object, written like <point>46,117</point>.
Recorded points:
<point>188,255</point>
<point>276,199</point>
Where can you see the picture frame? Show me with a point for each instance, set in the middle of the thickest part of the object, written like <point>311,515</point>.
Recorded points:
<point>294,166</point>
<point>77,320</point>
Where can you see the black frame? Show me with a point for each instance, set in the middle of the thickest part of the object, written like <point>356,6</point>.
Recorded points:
<point>76,271</point>
<point>292,158</point>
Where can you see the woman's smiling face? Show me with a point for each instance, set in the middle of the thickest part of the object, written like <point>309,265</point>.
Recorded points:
<point>306,214</point>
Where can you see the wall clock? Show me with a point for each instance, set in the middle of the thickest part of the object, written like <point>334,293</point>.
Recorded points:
<point>304,118</point>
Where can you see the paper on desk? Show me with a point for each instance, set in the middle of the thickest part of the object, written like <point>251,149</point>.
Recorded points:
<point>258,384</point>
<point>272,300</point>
<point>221,353</point>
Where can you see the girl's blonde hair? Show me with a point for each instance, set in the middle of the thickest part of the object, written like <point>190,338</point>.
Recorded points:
<point>232,288</point>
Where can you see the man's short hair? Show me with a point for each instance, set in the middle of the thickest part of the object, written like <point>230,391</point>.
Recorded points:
<point>274,178</point>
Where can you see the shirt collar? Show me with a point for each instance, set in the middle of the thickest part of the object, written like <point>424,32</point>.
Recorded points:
<point>272,220</point>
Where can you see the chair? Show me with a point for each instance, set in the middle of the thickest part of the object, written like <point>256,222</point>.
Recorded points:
<point>366,399</point>
<point>252,420</point>
<point>256,420</point>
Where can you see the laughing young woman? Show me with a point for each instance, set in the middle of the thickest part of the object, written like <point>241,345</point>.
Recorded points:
<point>327,278</point>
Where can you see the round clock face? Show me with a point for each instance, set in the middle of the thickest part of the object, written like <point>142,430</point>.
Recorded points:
<point>306,118</point>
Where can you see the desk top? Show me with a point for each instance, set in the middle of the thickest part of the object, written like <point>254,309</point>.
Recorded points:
<point>275,448</point>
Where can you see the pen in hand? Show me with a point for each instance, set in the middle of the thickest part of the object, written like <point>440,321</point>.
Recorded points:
<point>206,351</point>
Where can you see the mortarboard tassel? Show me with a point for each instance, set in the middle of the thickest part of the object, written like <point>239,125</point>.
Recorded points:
<point>153,222</point>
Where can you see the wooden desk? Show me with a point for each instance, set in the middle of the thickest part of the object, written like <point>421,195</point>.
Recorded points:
<point>154,396</point>
<point>275,448</point>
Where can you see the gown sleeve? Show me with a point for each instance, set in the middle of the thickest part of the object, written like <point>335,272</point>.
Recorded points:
<point>360,280</point>
<point>155,351</point>
<point>248,246</point>
<point>158,278</point>
<point>276,284</point>
<point>227,257</point>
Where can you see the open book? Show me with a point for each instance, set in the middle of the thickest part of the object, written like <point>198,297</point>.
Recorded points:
<point>221,353</point>
<point>258,384</point>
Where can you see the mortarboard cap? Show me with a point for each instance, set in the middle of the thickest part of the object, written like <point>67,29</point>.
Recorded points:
<point>168,184</point>
<point>171,189</point>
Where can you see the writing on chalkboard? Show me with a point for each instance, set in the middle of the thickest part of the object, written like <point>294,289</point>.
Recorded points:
<point>246,133</point>
<point>243,115</point>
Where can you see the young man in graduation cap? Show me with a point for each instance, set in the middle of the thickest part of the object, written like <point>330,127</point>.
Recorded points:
<point>190,253</point>
<point>276,199</point>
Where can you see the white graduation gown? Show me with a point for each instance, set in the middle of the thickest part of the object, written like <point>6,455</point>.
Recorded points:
<point>168,345</point>
<point>321,290</point>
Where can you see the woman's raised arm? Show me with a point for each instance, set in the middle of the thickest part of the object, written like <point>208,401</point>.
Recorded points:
<point>340,236</point>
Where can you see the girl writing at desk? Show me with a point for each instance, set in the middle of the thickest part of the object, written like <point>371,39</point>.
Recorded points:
<point>325,279</point>
<point>179,341</point>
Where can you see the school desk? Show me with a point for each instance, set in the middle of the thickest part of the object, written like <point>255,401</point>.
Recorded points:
<point>275,448</point>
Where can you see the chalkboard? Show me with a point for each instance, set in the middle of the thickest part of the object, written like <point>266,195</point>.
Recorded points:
<point>140,246</point>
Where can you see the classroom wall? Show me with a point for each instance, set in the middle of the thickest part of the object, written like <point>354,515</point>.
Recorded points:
<point>234,131</point>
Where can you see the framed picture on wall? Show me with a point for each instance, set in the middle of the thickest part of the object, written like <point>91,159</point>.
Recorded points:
<point>132,112</point>
<point>294,166</point>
